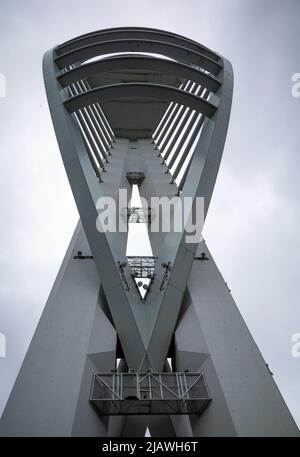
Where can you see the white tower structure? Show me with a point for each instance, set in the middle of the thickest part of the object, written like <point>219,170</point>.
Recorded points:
<point>130,342</point>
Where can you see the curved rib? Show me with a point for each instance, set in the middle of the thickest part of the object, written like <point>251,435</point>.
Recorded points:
<point>140,90</point>
<point>139,62</point>
<point>152,46</point>
<point>134,33</point>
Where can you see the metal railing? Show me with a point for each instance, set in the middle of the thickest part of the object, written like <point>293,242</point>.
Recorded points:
<point>150,393</point>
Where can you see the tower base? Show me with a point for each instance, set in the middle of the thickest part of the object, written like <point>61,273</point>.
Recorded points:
<point>76,339</point>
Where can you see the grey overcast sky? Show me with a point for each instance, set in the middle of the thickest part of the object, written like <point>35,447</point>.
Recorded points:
<point>253,223</point>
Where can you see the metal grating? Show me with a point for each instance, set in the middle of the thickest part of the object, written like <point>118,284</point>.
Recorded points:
<point>142,266</point>
<point>139,215</point>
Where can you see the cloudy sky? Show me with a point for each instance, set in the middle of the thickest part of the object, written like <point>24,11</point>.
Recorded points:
<point>252,226</point>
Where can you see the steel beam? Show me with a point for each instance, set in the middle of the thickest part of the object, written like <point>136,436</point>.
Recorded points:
<point>172,114</point>
<point>175,132</point>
